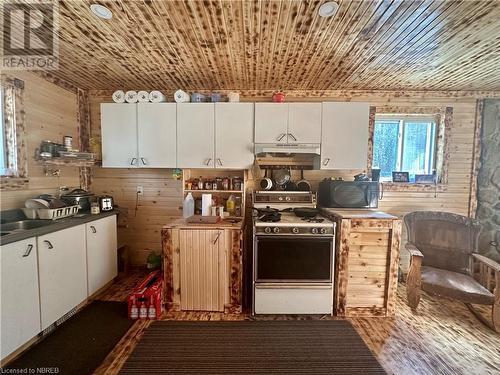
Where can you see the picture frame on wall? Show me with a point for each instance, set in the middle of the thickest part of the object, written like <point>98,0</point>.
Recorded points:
<point>400,177</point>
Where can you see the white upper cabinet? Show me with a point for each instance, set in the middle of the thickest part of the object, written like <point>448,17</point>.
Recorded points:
<point>195,135</point>
<point>271,122</point>
<point>119,135</point>
<point>304,123</point>
<point>156,129</point>
<point>20,304</point>
<point>234,125</point>
<point>344,139</point>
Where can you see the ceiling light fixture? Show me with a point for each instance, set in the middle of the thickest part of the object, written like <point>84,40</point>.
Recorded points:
<point>101,11</point>
<point>328,9</point>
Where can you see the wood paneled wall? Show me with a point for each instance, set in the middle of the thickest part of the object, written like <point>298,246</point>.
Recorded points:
<point>164,195</point>
<point>50,114</point>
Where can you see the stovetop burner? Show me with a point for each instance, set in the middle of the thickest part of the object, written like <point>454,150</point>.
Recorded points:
<point>271,217</point>
<point>313,219</point>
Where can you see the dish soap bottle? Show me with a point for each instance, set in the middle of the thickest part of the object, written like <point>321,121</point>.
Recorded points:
<point>230,205</point>
<point>188,206</point>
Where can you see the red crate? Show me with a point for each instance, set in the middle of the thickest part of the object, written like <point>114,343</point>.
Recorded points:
<point>145,302</point>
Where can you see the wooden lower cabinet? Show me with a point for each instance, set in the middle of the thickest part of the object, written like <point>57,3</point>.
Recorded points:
<point>202,269</point>
<point>367,254</point>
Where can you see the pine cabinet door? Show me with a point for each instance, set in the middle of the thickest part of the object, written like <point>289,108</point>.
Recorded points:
<point>63,272</point>
<point>203,269</point>
<point>195,135</point>
<point>102,264</point>
<point>304,123</point>
<point>344,137</point>
<point>157,132</point>
<point>234,124</point>
<point>119,135</point>
<point>20,303</point>
<point>271,122</point>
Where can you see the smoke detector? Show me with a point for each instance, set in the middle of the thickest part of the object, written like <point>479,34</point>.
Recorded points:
<point>101,11</point>
<point>328,9</point>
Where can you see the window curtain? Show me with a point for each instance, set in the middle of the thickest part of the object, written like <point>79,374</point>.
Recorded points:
<point>14,127</point>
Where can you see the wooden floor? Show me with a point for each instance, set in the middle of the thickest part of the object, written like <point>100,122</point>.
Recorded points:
<point>443,337</point>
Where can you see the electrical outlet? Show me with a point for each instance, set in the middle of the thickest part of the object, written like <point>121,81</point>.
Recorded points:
<point>140,190</point>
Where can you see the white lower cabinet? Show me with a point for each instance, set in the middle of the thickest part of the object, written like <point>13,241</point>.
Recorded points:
<point>20,305</point>
<point>62,272</point>
<point>101,253</point>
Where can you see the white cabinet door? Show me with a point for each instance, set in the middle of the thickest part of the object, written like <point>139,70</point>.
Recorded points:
<point>119,135</point>
<point>101,253</point>
<point>195,135</point>
<point>20,304</point>
<point>344,137</point>
<point>63,272</point>
<point>234,135</point>
<point>156,130</point>
<point>304,123</point>
<point>271,121</point>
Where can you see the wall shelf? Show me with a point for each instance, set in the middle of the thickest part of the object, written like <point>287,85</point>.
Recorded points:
<point>67,162</point>
<point>213,191</point>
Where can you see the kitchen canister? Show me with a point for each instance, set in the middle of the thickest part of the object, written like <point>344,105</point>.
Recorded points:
<point>181,97</point>
<point>233,97</point>
<point>196,97</point>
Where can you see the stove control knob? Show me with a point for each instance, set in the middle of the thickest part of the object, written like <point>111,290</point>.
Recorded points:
<point>295,230</point>
<point>322,230</point>
<point>288,199</point>
<point>267,230</point>
<point>280,198</point>
<point>314,231</point>
<point>276,230</point>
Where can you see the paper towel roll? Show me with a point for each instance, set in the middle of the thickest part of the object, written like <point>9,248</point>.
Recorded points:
<point>118,96</point>
<point>143,97</point>
<point>156,96</point>
<point>131,96</point>
<point>181,96</point>
<point>233,96</point>
<point>206,204</point>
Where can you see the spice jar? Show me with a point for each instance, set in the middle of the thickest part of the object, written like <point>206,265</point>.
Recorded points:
<point>208,185</point>
<point>200,184</point>
<point>225,183</point>
<point>236,183</point>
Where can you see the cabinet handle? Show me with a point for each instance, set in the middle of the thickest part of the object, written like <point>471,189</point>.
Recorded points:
<point>326,161</point>
<point>208,161</point>
<point>217,238</point>
<point>28,250</point>
<point>132,162</point>
<point>291,135</point>
<point>144,161</point>
<point>93,229</point>
<point>281,136</point>
<point>220,162</point>
<point>48,244</point>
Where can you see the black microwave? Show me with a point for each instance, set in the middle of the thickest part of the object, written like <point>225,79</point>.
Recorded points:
<point>348,194</point>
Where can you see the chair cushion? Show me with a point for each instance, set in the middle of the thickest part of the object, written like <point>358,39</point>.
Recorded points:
<point>455,285</point>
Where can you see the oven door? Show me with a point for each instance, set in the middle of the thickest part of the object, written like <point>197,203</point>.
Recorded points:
<point>285,259</point>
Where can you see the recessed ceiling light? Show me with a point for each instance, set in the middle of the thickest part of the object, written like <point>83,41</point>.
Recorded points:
<point>328,9</point>
<point>101,11</point>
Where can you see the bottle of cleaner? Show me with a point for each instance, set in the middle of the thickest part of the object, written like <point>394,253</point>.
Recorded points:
<point>134,311</point>
<point>230,205</point>
<point>143,311</point>
<point>188,206</point>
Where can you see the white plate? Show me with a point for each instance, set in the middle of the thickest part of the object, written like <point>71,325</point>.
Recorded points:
<point>36,203</point>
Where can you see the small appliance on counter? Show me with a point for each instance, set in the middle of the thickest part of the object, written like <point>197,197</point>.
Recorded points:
<point>79,197</point>
<point>106,203</point>
<point>348,194</point>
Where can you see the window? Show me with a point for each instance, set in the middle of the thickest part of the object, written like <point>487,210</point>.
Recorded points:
<point>3,156</point>
<point>404,144</point>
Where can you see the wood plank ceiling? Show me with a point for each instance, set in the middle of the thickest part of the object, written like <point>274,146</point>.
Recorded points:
<point>267,45</point>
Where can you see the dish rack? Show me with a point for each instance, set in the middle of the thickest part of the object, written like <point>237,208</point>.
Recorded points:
<point>51,213</point>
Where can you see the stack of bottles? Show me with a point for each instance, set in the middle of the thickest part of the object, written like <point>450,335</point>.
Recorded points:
<point>145,302</point>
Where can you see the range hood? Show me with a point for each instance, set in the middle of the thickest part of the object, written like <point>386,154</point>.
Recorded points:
<point>300,156</point>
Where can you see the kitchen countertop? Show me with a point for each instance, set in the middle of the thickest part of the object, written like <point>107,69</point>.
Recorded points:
<point>180,223</point>
<point>55,226</point>
<point>361,213</point>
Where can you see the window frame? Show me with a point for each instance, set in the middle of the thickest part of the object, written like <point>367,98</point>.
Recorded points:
<point>403,120</point>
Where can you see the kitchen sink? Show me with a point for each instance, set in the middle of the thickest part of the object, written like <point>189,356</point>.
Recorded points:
<point>23,225</point>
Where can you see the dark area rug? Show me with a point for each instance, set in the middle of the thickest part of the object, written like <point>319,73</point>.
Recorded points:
<point>251,347</point>
<point>79,345</point>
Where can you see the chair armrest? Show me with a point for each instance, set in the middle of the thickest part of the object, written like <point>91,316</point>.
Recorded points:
<point>487,261</point>
<point>412,249</point>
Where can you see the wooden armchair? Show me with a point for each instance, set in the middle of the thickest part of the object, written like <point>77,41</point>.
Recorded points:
<point>442,249</point>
